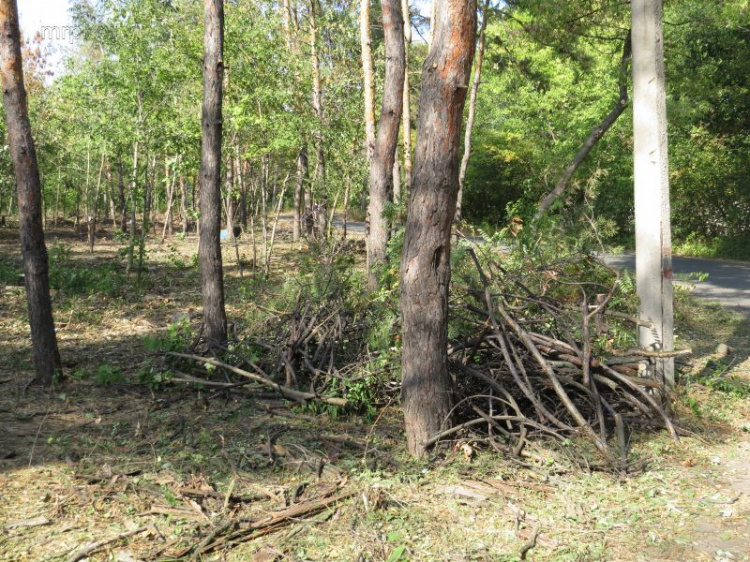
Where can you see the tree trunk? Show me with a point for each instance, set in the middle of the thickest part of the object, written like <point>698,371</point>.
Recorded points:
<point>57,195</point>
<point>209,253</point>
<point>386,142</point>
<point>299,190</point>
<point>594,137</point>
<point>148,190</point>
<point>472,109</point>
<point>183,204</point>
<point>134,185</point>
<point>396,173</point>
<point>45,353</point>
<point>229,206</point>
<point>240,179</point>
<point>365,36</point>
<point>170,181</point>
<point>133,190</point>
<point>111,190</point>
<point>121,193</point>
<point>433,23</point>
<point>425,262</point>
<point>653,236</point>
<point>406,115</point>
<point>93,216</point>
<point>317,100</point>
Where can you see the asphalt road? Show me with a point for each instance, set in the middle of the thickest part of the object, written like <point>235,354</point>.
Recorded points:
<point>728,282</point>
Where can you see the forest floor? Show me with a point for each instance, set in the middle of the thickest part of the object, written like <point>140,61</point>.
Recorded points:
<point>156,470</point>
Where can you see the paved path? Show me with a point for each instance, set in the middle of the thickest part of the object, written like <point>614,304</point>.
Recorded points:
<point>728,281</point>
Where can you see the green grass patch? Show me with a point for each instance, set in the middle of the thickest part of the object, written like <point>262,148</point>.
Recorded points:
<point>734,248</point>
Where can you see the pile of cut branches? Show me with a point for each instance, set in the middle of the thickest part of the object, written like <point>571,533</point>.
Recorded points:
<point>314,346</point>
<point>536,362</point>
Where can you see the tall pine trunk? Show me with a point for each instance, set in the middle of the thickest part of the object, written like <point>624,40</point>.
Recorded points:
<point>425,262</point>
<point>45,353</point>
<point>386,142</point>
<point>209,249</point>
<point>317,102</point>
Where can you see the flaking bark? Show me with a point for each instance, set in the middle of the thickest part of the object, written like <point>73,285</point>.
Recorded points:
<point>425,262</point>
<point>45,354</point>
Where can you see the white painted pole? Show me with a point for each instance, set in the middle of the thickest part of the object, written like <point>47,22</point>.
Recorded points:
<point>651,173</point>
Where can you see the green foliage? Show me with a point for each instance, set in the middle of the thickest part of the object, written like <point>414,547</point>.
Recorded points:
<point>551,76</point>
<point>9,274</point>
<point>74,278</point>
<point>153,378</point>
<point>556,267</point>
<point>108,374</point>
<point>178,337</point>
<point>737,247</point>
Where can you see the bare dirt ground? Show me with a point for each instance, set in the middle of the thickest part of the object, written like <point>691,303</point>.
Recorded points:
<point>151,472</point>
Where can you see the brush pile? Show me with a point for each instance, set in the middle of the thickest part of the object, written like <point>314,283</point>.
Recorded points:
<point>542,345</point>
<point>544,361</point>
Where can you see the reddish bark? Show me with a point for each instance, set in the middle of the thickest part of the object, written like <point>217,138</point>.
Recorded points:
<point>45,353</point>
<point>425,263</point>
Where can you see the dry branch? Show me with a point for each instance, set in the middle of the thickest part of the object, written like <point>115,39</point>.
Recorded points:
<point>86,550</point>
<point>538,372</point>
<point>284,391</point>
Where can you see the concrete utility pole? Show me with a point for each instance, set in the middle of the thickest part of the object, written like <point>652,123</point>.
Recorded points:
<point>653,237</point>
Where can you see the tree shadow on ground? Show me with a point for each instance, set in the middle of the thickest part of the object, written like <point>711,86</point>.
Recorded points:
<point>720,340</point>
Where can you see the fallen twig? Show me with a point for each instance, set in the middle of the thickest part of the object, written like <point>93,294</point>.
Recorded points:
<point>285,391</point>
<point>85,550</point>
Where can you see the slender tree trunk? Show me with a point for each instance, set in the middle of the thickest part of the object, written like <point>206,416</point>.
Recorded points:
<point>263,201</point>
<point>148,191</point>
<point>346,206</point>
<point>183,204</point>
<point>209,254</point>
<point>396,178</point>
<point>433,20</point>
<point>57,195</point>
<point>317,99</point>
<point>133,191</point>
<point>45,353</point>
<point>472,109</point>
<point>229,205</point>
<point>87,200</point>
<point>279,204</point>
<point>299,190</point>
<point>653,235</point>
<point>594,137</point>
<point>365,36</point>
<point>406,115</point>
<point>112,212</point>
<point>170,180</point>
<point>93,217</point>
<point>425,262</point>
<point>121,194</point>
<point>241,187</point>
<point>386,142</point>
<point>77,223</point>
